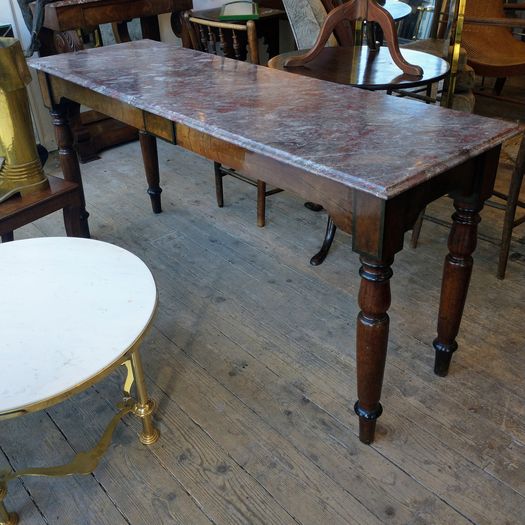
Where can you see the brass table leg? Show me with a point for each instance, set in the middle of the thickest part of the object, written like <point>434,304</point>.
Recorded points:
<point>86,462</point>
<point>144,407</point>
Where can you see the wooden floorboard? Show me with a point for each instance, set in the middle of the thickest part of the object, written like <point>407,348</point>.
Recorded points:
<point>252,361</point>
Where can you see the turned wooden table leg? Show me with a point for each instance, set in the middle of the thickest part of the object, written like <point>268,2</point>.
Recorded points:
<point>456,278</point>
<point>76,219</point>
<point>148,145</point>
<point>372,341</point>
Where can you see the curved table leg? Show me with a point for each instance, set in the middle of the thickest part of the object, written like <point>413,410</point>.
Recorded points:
<point>320,256</point>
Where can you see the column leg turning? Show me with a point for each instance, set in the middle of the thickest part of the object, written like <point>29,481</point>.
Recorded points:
<point>150,157</point>
<point>456,278</point>
<point>76,219</point>
<point>144,407</point>
<point>372,341</point>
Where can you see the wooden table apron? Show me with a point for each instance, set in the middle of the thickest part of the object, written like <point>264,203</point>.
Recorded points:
<point>377,225</point>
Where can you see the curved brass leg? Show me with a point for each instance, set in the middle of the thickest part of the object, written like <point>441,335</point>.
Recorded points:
<point>144,407</point>
<point>6,518</point>
<point>128,382</point>
<point>82,463</point>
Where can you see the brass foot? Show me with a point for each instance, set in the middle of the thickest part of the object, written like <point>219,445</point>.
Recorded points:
<point>149,439</point>
<point>12,519</point>
<point>149,434</point>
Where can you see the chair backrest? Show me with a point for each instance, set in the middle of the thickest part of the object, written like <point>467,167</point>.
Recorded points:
<point>232,40</point>
<point>486,9</point>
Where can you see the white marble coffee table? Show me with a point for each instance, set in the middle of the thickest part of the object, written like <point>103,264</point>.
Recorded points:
<point>72,311</point>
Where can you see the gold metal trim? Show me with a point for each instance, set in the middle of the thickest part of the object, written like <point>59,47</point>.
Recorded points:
<point>62,396</point>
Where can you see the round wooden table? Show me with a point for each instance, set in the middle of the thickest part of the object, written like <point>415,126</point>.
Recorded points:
<point>366,68</point>
<point>72,311</point>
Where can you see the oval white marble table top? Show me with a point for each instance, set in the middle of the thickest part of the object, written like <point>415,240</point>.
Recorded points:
<point>69,309</point>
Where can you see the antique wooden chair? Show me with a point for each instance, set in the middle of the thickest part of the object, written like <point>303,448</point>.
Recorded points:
<point>232,40</point>
<point>492,51</point>
<point>491,47</point>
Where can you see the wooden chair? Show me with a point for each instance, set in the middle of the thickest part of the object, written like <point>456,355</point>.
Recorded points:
<point>487,36</point>
<point>492,51</point>
<point>238,41</point>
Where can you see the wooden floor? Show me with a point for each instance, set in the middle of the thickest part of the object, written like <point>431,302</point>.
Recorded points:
<point>252,361</point>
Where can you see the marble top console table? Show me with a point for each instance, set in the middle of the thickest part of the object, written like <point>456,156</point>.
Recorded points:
<point>371,160</point>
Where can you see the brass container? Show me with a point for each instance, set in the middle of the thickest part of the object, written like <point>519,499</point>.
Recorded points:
<point>21,170</point>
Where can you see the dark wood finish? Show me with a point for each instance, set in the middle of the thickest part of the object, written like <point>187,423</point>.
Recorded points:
<point>93,131</point>
<point>377,225</point>
<point>60,195</point>
<point>69,163</point>
<point>207,33</point>
<point>367,10</point>
<point>510,221</point>
<point>71,14</point>
<point>456,279</point>
<point>265,27</point>
<point>148,146</point>
<point>372,342</point>
<point>364,67</point>
<point>331,228</point>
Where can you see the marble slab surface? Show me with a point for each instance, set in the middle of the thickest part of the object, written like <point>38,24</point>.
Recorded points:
<point>70,308</point>
<point>370,141</point>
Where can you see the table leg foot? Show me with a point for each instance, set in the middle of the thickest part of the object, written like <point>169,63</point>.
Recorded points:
<point>148,146</point>
<point>144,407</point>
<point>456,278</point>
<point>443,357</point>
<point>367,422</point>
<point>372,341</point>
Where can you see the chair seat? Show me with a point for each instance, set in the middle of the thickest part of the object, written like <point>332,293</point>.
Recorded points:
<point>488,60</point>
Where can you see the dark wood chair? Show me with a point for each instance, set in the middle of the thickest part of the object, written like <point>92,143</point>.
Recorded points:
<point>239,41</point>
<point>492,51</point>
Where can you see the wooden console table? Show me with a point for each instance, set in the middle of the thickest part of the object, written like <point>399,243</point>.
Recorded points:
<point>371,160</point>
<point>62,19</point>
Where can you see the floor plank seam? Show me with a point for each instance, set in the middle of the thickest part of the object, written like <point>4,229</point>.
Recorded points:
<point>225,452</point>
<point>278,431</point>
<point>25,487</point>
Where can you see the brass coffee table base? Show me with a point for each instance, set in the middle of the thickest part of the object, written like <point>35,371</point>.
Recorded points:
<point>86,462</point>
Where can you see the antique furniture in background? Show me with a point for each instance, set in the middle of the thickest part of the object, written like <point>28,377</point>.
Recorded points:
<point>238,40</point>
<point>321,140</point>
<point>26,194</point>
<point>492,51</point>
<point>73,311</point>
<point>373,68</point>
<point>65,23</point>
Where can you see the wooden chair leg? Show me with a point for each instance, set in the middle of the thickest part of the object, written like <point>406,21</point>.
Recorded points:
<point>8,237</point>
<point>498,85</point>
<point>510,211</point>
<point>218,184</point>
<point>417,229</point>
<point>261,203</point>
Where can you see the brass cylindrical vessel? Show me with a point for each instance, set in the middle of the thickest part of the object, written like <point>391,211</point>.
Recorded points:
<point>21,170</point>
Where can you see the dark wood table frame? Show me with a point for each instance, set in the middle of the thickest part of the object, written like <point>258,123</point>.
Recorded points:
<point>93,131</point>
<point>377,225</point>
